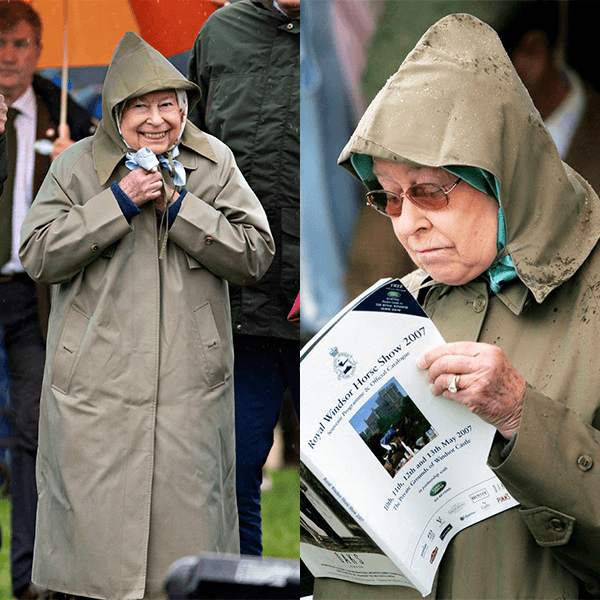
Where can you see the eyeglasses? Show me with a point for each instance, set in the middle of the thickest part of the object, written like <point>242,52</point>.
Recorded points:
<point>428,196</point>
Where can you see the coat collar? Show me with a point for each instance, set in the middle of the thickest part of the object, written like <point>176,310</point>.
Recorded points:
<point>514,294</point>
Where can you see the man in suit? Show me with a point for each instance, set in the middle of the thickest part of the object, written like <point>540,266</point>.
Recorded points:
<point>33,111</point>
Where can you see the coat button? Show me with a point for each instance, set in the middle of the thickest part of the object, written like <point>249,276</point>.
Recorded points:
<point>585,462</point>
<point>208,241</point>
<point>95,248</point>
<point>558,525</point>
<point>479,304</point>
<point>290,26</point>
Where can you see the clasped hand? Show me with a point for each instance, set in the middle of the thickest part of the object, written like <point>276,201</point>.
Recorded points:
<point>489,384</point>
<point>142,186</point>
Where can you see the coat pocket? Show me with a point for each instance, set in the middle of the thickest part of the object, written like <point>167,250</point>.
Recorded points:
<point>211,345</point>
<point>548,526</point>
<point>192,262</point>
<point>67,351</point>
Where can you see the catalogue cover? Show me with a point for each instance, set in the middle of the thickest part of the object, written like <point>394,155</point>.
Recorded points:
<point>390,473</point>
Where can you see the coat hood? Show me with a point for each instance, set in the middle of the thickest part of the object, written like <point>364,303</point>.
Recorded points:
<point>457,100</point>
<point>136,69</point>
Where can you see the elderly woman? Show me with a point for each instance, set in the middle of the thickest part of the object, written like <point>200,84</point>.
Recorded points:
<point>139,228</point>
<point>454,153</point>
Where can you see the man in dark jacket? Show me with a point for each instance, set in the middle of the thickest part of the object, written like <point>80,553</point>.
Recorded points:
<point>246,61</point>
<point>33,114</point>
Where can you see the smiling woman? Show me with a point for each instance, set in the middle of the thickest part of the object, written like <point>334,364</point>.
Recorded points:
<point>137,411</point>
<point>152,121</point>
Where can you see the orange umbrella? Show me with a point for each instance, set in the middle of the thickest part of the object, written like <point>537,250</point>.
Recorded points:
<point>83,33</point>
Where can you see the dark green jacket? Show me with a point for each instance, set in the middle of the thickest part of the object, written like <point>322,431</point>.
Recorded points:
<point>246,61</point>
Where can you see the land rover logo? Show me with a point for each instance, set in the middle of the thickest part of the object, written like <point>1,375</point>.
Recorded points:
<point>437,488</point>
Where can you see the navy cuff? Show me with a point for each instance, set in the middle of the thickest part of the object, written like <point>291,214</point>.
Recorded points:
<point>127,206</point>
<point>174,208</point>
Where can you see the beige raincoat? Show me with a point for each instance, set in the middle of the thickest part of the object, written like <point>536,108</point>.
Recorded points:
<point>136,457</point>
<point>457,100</point>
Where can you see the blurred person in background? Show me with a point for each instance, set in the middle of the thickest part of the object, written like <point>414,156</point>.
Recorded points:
<point>3,176</point>
<point>332,55</point>
<point>3,152</point>
<point>246,62</point>
<point>536,35</point>
<point>33,114</point>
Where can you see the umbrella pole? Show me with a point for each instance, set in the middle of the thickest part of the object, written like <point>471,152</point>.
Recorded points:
<point>65,67</point>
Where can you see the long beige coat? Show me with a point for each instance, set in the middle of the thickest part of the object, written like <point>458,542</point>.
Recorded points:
<point>136,447</point>
<point>456,100</point>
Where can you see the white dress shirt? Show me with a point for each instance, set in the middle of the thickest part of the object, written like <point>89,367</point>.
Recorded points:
<point>25,125</point>
<point>563,122</point>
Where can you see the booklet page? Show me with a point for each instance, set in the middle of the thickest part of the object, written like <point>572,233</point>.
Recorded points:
<point>409,467</point>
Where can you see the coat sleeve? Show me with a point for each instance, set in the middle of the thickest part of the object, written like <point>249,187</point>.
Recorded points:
<point>229,234</point>
<point>62,233</point>
<point>553,470</point>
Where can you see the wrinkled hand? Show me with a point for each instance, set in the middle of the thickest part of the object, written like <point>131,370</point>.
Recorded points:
<point>489,384</point>
<point>142,186</point>
<point>3,111</point>
<point>62,142</point>
<point>160,204</point>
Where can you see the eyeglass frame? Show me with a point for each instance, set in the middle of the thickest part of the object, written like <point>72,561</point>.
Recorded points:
<point>404,194</point>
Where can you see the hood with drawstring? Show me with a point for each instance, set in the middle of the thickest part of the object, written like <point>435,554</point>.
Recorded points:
<point>136,460</point>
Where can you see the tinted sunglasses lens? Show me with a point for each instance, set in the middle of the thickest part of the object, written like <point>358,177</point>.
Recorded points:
<point>385,202</point>
<point>428,196</point>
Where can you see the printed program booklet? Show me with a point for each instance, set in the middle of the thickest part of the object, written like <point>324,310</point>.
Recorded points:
<point>390,473</point>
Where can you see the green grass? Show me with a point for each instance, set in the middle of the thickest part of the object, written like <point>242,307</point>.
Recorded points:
<point>5,587</point>
<point>280,512</point>
<point>281,516</point>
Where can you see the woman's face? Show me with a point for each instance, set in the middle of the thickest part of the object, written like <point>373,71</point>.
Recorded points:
<point>454,244</point>
<point>152,121</point>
